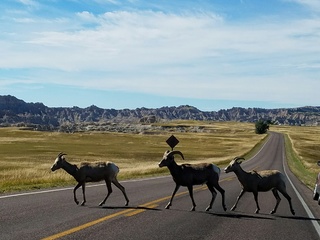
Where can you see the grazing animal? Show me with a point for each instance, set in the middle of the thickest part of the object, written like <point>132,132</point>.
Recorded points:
<point>261,181</point>
<point>90,173</point>
<point>193,174</point>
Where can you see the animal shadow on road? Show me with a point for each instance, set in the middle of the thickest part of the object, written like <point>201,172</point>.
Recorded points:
<point>261,216</point>
<point>129,207</point>
<point>241,215</point>
<point>233,215</point>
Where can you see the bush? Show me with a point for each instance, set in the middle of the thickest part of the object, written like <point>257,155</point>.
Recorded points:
<point>262,126</point>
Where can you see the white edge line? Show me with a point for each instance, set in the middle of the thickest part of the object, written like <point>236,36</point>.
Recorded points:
<point>305,206</point>
<point>70,188</point>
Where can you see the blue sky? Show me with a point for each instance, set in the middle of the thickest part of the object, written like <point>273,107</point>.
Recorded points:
<point>211,54</point>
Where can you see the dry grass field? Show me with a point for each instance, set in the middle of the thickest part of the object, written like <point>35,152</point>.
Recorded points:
<point>26,156</point>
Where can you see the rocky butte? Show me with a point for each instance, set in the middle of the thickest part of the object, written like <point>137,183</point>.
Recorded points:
<point>16,112</point>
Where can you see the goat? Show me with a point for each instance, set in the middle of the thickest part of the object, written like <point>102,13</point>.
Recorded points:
<point>90,173</point>
<point>193,174</point>
<point>261,181</point>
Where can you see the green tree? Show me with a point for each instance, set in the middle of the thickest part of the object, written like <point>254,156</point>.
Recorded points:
<point>262,126</point>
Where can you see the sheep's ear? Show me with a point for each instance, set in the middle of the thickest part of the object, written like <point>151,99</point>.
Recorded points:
<point>318,163</point>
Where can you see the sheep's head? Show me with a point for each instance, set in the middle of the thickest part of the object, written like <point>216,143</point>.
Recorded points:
<point>168,158</point>
<point>58,162</point>
<point>233,164</point>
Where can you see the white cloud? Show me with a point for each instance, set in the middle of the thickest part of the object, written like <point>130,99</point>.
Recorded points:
<point>196,55</point>
<point>87,16</point>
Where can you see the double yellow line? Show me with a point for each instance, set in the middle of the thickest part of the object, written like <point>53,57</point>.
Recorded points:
<point>127,213</point>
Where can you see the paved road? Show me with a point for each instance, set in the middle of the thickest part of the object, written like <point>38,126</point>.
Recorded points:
<point>52,214</point>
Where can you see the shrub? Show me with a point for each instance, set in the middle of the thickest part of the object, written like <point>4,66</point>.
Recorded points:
<point>261,127</point>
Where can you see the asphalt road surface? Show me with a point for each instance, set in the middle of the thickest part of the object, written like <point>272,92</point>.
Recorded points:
<point>52,214</point>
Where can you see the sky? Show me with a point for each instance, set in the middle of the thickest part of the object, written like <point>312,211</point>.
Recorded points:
<point>210,54</point>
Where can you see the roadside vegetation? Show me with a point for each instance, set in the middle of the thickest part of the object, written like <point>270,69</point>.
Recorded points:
<point>303,151</point>
<point>26,156</point>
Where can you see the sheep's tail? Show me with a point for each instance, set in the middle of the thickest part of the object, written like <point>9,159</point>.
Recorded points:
<point>216,169</point>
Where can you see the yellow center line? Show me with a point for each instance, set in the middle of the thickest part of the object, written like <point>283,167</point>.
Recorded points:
<point>86,225</point>
<point>141,210</point>
<point>124,212</point>
<point>127,212</point>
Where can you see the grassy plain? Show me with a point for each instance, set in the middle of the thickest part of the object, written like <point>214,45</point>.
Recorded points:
<point>26,156</point>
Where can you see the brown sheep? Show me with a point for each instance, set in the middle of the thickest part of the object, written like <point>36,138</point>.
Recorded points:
<point>261,181</point>
<point>193,174</point>
<point>90,173</point>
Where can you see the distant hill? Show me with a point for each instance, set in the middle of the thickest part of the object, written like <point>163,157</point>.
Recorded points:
<point>16,112</point>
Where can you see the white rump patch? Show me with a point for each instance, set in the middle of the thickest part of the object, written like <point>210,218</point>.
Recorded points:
<point>114,167</point>
<point>216,169</point>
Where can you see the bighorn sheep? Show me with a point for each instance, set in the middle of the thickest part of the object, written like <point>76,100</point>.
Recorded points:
<point>193,174</point>
<point>261,181</point>
<point>90,173</point>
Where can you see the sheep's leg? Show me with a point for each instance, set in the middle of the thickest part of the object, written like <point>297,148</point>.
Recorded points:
<point>222,191</point>
<point>214,194</point>
<point>84,194</point>
<point>174,193</point>
<point>190,188</point>
<point>108,183</point>
<point>238,198</point>
<point>255,195</point>
<point>286,195</point>
<point>276,195</point>
<point>118,185</point>
<point>74,193</point>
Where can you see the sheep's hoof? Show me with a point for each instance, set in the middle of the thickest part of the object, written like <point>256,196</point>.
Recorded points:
<point>233,208</point>
<point>272,212</point>
<point>168,206</point>
<point>257,211</point>
<point>83,203</point>
<point>293,212</point>
<point>208,208</point>
<point>225,208</point>
<point>193,209</point>
<point>126,204</point>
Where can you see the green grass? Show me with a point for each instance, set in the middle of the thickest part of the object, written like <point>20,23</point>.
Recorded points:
<point>297,166</point>
<point>26,156</point>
